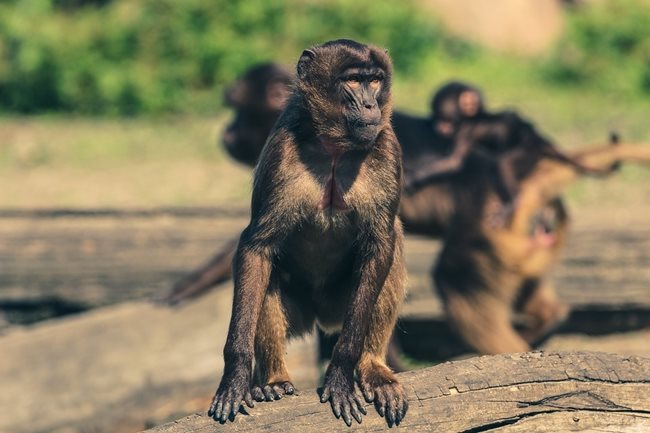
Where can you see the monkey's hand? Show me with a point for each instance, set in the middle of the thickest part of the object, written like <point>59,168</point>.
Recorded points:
<point>339,390</point>
<point>233,389</point>
<point>272,391</point>
<point>379,385</point>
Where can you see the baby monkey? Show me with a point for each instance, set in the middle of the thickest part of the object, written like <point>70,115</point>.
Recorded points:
<point>504,138</point>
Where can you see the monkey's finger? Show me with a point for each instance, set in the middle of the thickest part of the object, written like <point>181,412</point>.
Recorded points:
<point>225,411</point>
<point>325,395</point>
<point>403,408</point>
<point>355,409</point>
<point>236,405</point>
<point>213,405</point>
<point>368,393</point>
<point>248,398</point>
<point>336,405</point>
<point>268,393</point>
<point>360,405</point>
<point>380,403</point>
<point>278,390</point>
<point>219,406</point>
<point>390,414</point>
<point>257,393</point>
<point>346,413</point>
<point>288,388</point>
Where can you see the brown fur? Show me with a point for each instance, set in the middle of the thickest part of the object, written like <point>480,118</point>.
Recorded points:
<point>324,244</point>
<point>429,210</point>
<point>503,138</point>
<point>484,274</point>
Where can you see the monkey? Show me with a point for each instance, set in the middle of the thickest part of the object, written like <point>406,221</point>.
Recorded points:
<point>484,274</point>
<point>454,102</point>
<point>258,98</point>
<point>425,210</point>
<point>324,243</point>
<point>511,142</point>
<point>429,210</point>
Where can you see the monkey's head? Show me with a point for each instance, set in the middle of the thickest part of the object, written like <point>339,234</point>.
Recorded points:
<point>454,102</point>
<point>258,98</point>
<point>345,86</point>
<point>264,87</point>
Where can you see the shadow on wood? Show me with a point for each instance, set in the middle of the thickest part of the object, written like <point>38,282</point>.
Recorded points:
<point>541,392</point>
<point>430,338</point>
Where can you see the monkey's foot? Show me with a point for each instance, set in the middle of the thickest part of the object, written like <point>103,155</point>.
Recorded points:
<point>272,391</point>
<point>339,390</point>
<point>234,388</point>
<point>379,385</point>
<point>556,315</point>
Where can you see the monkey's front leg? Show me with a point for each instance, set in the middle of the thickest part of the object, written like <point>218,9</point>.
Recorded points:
<point>252,274</point>
<point>339,378</point>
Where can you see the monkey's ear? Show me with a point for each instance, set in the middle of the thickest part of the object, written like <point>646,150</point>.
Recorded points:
<point>305,58</point>
<point>235,94</point>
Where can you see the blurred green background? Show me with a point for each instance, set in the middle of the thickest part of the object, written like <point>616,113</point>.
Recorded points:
<point>118,102</point>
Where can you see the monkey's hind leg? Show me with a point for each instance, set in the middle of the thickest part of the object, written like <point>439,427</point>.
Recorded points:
<point>377,382</point>
<point>484,322</point>
<point>272,380</point>
<point>545,309</point>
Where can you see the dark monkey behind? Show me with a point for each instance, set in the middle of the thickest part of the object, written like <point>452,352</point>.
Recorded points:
<point>324,243</point>
<point>504,139</point>
<point>258,98</point>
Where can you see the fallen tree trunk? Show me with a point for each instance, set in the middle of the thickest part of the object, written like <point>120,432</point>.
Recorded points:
<point>121,368</point>
<point>531,392</point>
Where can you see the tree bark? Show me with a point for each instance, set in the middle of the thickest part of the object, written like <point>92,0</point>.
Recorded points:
<point>530,392</point>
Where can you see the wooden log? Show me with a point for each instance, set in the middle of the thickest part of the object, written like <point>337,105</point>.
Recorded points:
<point>56,265</point>
<point>531,392</point>
<point>121,368</point>
<point>428,336</point>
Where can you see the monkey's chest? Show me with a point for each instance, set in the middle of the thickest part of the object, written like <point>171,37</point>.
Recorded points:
<point>328,182</point>
<point>332,197</point>
<point>314,256</point>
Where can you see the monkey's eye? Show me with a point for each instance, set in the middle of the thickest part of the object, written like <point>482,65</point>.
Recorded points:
<point>353,81</point>
<point>375,82</point>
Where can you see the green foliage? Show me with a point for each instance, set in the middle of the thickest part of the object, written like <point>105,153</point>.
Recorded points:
<point>607,46</point>
<point>125,57</point>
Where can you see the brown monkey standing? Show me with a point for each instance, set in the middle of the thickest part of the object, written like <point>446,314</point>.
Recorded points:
<point>324,243</point>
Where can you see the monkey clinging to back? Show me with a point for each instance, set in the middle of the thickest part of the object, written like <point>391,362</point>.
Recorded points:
<point>324,243</point>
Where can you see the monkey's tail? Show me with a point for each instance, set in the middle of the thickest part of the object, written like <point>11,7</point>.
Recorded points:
<point>550,178</point>
<point>217,270</point>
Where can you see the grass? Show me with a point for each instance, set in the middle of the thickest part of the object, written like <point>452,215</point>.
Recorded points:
<point>176,161</point>
<point>125,163</point>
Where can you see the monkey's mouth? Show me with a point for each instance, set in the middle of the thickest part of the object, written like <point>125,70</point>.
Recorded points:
<point>361,123</point>
<point>543,235</point>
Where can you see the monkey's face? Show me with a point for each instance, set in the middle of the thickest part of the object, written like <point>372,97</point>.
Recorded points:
<point>453,103</point>
<point>346,87</point>
<point>470,103</point>
<point>257,99</point>
<point>358,91</point>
